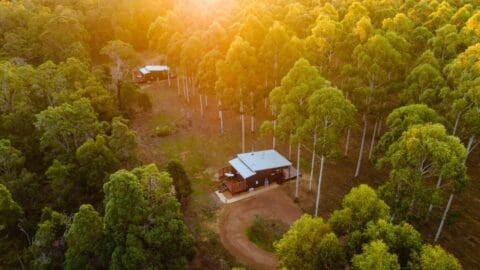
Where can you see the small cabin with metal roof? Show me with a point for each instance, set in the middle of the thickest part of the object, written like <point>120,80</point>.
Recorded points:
<point>152,73</point>
<point>248,171</point>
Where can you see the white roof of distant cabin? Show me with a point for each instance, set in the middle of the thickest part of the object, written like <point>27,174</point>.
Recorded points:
<point>148,69</point>
<point>247,164</point>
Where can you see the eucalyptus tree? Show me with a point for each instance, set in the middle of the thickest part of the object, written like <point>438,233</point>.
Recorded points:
<point>325,42</point>
<point>48,245</point>
<point>375,256</point>
<point>235,77</point>
<point>190,58</point>
<point>123,58</point>
<point>435,257</point>
<point>309,244</point>
<point>376,71</point>
<point>446,43</point>
<point>64,128</point>
<point>330,114</point>
<point>470,31</point>
<point>292,97</point>
<point>207,76</point>
<point>143,222</point>
<point>422,155</point>
<point>425,82</point>
<point>462,102</point>
<point>401,119</point>
<point>299,18</point>
<point>270,51</point>
<point>85,240</point>
<point>278,52</point>
<point>10,212</point>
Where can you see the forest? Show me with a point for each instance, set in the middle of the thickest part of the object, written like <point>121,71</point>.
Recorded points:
<point>392,85</point>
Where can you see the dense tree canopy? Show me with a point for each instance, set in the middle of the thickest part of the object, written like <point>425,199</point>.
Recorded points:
<point>67,93</point>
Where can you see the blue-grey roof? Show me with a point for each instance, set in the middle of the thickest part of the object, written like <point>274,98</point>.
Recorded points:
<point>247,164</point>
<point>241,168</point>
<point>264,160</point>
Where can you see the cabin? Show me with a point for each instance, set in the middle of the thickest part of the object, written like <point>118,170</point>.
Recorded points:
<point>152,73</point>
<point>248,171</point>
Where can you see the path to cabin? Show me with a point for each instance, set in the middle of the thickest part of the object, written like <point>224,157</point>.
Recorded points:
<point>237,217</point>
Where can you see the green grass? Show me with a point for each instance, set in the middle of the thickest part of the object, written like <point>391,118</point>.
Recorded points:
<point>266,231</point>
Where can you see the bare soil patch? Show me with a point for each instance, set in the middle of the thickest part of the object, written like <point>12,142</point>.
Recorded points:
<point>236,218</point>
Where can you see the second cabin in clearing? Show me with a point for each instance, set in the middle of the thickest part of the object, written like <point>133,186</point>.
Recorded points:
<point>152,73</point>
<point>250,170</point>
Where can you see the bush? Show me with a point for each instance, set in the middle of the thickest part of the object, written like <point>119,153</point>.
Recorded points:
<point>265,231</point>
<point>163,131</point>
<point>181,181</point>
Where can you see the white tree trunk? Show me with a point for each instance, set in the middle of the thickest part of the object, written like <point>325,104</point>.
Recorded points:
<point>379,130</point>
<point>289,150</point>
<point>439,182</point>
<point>274,125</point>
<point>252,123</point>
<point>454,131</point>
<point>168,76</point>
<point>372,144</point>
<point>439,231</point>
<point>178,86</point>
<point>188,92</point>
<point>206,101</point>
<point>312,166</point>
<point>220,116</point>
<point>470,146</point>
<point>320,178</point>
<point>201,105</point>
<point>243,126</point>
<point>297,182</point>
<point>347,142</point>
<point>360,154</point>
<point>184,88</point>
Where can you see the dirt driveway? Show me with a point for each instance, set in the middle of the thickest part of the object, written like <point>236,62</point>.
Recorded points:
<point>235,219</point>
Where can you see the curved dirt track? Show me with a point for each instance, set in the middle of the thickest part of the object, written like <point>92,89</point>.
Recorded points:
<point>236,218</point>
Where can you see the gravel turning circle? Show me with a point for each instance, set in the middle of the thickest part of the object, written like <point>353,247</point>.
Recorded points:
<point>237,217</point>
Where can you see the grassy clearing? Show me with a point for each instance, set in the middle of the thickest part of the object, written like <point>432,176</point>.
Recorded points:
<point>265,231</point>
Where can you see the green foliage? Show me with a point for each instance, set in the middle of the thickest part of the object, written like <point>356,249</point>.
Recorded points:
<point>289,100</point>
<point>11,161</point>
<point>360,206</point>
<point>422,152</point>
<point>181,181</point>
<point>375,256</point>
<point>401,119</point>
<point>64,128</point>
<point>309,244</point>
<point>84,240</point>
<point>435,257</point>
<point>402,240</point>
<point>163,131</point>
<point>123,142</point>
<point>10,211</point>
<point>95,162</point>
<point>48,245</point>
<point>142,199</point>
<point>264,232</point>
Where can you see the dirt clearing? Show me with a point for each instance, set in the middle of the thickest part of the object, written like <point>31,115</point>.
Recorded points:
<point>237,217</point>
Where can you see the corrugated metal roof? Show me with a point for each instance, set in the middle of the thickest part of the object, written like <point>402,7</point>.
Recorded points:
<point>144,71</point>
<point>157,68</point>
<point>241,168</point>
<point>264,160</point>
